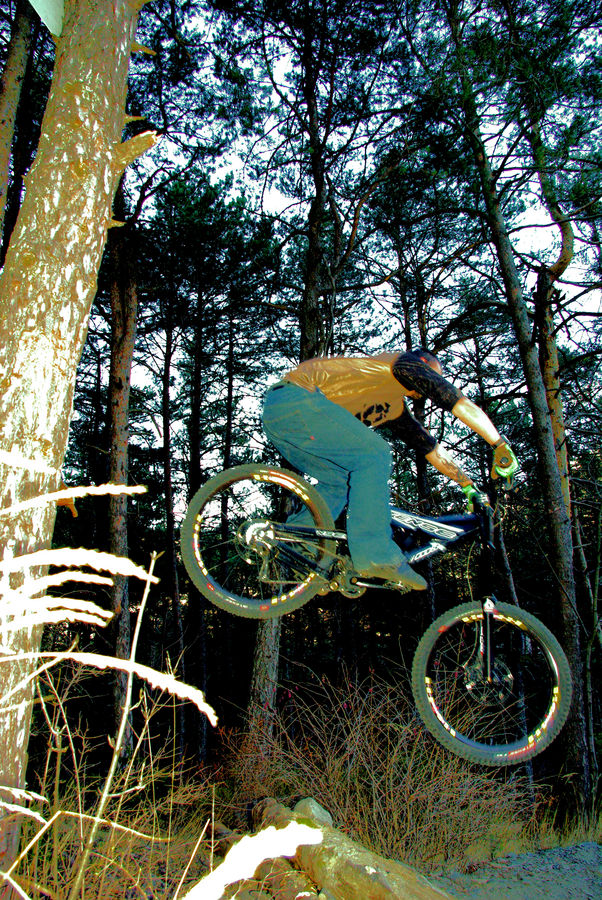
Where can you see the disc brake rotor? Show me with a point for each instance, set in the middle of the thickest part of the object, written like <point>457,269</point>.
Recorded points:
<point>486,692</point>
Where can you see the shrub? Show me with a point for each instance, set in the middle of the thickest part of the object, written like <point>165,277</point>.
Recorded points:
<point>361,751</point>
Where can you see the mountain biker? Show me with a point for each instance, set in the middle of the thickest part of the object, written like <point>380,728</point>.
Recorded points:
<point>321,418</point>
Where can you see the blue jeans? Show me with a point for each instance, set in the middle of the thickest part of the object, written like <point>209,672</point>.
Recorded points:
<point>351,463</point>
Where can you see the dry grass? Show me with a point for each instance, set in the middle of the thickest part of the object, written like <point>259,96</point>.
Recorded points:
<point>360,751</point>
<point>548,832</point>
<point>152,838</point>
<point>156,835</point>
<point>144,830</point>
<point>363,754</point>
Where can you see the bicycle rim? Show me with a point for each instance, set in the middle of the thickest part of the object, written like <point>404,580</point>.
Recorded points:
<point>508,718</point>
<point>234,551</point>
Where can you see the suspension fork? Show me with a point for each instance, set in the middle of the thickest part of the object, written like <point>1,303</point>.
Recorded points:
<point>486,570</point>
<point>487,649</point>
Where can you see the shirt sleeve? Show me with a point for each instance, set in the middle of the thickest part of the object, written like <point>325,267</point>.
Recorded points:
<point>412,433</point>
<point>415,375</point>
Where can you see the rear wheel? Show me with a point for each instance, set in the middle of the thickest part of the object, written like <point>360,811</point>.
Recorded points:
<point>247,541</point>
<point>499,720</point>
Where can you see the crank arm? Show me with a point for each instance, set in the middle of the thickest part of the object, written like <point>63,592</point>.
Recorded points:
<point>384,586</point>
<point>305,533</point>
<point>296,559</point>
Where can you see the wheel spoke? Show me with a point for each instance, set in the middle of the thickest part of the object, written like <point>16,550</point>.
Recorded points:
<point>498,719</point>
<point>234,540</point>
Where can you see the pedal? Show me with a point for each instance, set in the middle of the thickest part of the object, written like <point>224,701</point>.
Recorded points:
<point>383,586</point>
<point>396,586</point>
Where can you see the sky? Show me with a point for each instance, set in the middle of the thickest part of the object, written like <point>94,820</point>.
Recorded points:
<point>51,14</point>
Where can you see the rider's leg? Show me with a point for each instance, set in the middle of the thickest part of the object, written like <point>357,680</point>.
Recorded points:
<point>288,426</point>
<point>348,459</point>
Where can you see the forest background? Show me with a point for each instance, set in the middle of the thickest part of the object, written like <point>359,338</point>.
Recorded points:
<point>303,178</point>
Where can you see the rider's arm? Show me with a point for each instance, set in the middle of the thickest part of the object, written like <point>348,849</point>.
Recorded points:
<point>415,375</point>
<point>445,463</point>
<point>469,413</point>
<point>415,435</point>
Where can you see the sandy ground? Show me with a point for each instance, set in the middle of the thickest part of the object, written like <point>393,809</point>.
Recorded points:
<point>568,873</point>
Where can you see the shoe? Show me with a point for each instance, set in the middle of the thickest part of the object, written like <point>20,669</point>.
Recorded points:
<point>401,574</point>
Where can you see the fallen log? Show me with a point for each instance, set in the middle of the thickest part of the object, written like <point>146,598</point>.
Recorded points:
<point>284,882</point>
<point>342,868</point>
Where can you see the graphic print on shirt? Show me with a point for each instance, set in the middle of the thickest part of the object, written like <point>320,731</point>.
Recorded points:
<point>374,414</point>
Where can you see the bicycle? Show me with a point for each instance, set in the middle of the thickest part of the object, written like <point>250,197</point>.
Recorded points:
<point>490,681</point>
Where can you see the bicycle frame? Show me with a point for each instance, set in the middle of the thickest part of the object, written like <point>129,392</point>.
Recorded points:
<point>421,537</point>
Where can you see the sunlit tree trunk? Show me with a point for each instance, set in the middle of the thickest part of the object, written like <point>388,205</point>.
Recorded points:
<point>46,289</point>
<point>545,292</point>
<point>581,747</point>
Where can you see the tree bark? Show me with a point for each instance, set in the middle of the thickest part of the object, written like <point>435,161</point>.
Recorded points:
<point>172,585</point>
<point>264,684</point>
<point>550,369</point>
<point>313,333</point>
<point>312,343</point>
<point>196,626</point>
<point>10,91</point>
<point>124,312</point>
<point>46,290</point>
<point>558,517</point>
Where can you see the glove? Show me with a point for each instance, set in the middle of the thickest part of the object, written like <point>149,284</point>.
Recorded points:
<point>474,496</point>
<point>505,463</point>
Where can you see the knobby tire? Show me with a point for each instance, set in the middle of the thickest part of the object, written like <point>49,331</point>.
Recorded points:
<point>511,717</point>
<point>254,579</point>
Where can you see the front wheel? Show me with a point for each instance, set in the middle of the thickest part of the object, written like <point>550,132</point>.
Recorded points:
<point>500,714</point>
<point>248,544</point>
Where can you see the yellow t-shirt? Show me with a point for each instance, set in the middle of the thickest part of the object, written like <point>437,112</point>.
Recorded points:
<point>364,385</point>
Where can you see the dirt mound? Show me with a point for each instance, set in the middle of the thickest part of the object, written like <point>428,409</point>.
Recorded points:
<point>564,873</point>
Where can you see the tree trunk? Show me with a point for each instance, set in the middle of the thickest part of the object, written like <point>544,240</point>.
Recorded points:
<point>550,369</point>
<point>46,290</point>
<point>196,627</point>
<point>312,343</point>
<point>264,684</point>
<point>124,312</point>
<point>25,138</point>
<point>194,431</point>
<point>558,519</point>
<point>172,586</point>
<point>581,752</point>
<point>593,635</point>
<point>10,91</point>
<point>227,456</point>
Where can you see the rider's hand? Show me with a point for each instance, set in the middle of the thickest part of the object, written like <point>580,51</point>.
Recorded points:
<point>505,463</point>
<point>474,496</point>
